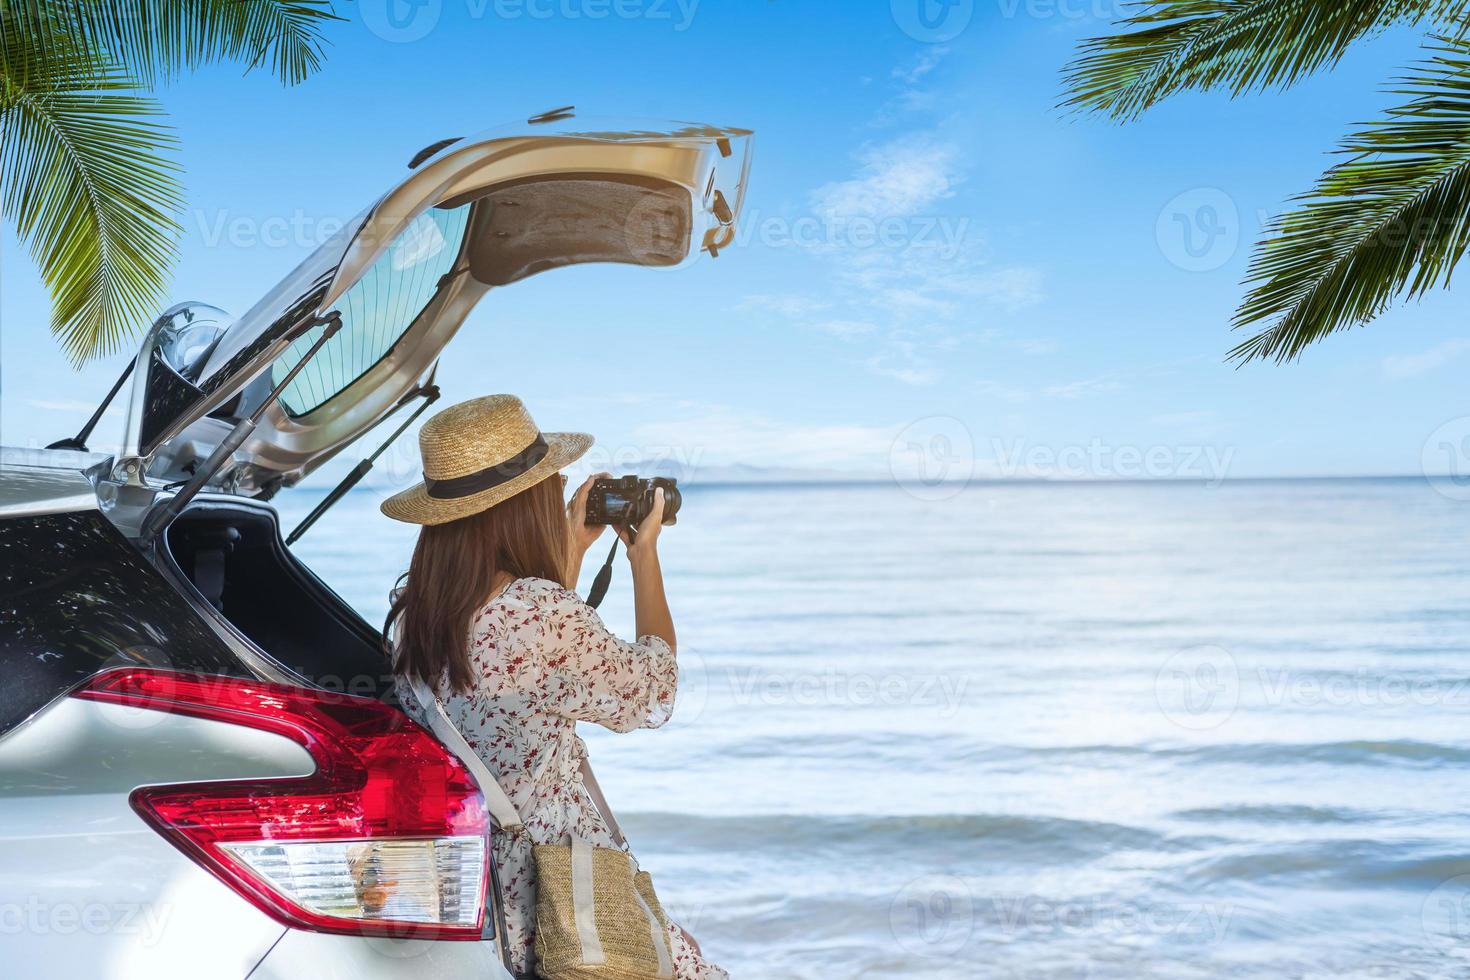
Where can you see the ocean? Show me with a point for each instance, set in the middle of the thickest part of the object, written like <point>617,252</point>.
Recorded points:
<point>1046,729</point>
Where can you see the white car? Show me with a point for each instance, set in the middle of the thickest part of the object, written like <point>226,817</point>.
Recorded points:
<point>202,773</point>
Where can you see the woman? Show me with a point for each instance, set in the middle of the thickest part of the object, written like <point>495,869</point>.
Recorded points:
<point>487,618</point>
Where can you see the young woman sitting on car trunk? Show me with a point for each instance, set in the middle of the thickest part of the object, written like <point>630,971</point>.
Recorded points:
<point>487,620</point>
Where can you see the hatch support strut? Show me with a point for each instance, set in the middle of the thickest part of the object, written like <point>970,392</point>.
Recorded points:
<point>429,392</point>
<point>161,517</point>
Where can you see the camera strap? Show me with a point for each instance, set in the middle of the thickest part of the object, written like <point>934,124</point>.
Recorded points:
<point>603,578</point>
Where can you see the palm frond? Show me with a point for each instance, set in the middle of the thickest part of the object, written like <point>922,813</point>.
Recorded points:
<point>158,40</point>
<point>1392,220</point>
<point>1239,45</point>
<point>84,177</point>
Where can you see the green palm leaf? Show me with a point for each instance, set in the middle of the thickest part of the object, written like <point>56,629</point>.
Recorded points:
<point>84,172</point>
<point>84,178</point>
<point>1392,219</point>
<point>1240,45</point>
<point>157,40</point>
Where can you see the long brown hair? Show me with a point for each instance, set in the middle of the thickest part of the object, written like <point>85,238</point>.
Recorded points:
<point>453,571</point>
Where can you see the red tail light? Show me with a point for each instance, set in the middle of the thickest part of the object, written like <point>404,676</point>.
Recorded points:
<point>388,837</point>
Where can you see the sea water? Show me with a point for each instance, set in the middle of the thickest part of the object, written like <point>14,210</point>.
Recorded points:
<point>1045,729</point>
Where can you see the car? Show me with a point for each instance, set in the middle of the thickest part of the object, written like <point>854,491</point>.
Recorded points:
<point>203,772</point>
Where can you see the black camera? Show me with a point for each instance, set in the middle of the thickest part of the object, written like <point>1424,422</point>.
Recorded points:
<point>628,500</point>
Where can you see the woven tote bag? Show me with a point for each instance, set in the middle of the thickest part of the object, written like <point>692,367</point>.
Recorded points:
<point>597,917</point>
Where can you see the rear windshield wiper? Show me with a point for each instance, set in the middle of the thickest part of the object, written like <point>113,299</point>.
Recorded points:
<point>429,392</point>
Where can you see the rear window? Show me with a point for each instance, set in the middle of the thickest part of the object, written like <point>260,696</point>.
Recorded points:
<point>375,311</point>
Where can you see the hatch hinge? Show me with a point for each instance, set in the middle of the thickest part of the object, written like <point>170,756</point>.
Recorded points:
<point>161,517</point>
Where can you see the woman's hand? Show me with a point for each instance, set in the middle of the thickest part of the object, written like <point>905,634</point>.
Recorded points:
<point>583,535</point>
<point>645,542</point>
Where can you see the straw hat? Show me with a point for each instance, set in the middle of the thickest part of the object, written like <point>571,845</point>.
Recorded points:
<point>478,453</point>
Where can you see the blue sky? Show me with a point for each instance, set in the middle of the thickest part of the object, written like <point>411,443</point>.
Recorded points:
<point>1046,294</point>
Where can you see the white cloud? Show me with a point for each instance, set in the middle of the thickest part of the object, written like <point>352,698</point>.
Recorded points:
<point>1081,389</point>
<point>898,179</point>
<point>1004,392</point>
<point>721,435</point>
<point>846,329</point>
<point>1186,418</point>
<point>787,305</point>
<point>926,62</point>
<point>1035,347</point>
<point>908,270</point>
<point>903,361</point>
<point>61,405</point>
<point>1401,366</point>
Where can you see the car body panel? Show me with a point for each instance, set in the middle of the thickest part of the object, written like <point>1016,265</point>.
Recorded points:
<point>319,956</point>
<point>34,491</point>
<point>76,598</point>
<point>92,890</point>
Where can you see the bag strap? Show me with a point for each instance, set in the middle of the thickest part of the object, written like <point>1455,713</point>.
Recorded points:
<point>594,790</point>
<point>501,808</point>
<point>507,818</point>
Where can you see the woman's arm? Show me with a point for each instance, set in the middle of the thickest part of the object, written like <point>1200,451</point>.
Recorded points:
<point>650,605</point>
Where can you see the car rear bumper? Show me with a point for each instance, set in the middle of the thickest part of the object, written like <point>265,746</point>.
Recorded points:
<point>317,956</point>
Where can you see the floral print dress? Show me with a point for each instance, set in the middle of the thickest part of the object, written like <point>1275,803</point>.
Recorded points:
<point>545,661</point>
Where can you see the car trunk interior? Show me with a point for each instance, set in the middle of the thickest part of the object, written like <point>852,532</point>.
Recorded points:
<point>232,556</point>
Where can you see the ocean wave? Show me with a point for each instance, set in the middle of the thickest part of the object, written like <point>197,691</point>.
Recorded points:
<point>1351,752</point>
<point>1283,813</point>
<point>1355,861</point>
<point>947,752</point>
<point>765,832</point>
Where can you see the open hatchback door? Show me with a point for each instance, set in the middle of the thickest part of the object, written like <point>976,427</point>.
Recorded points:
<point>472,214</point>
